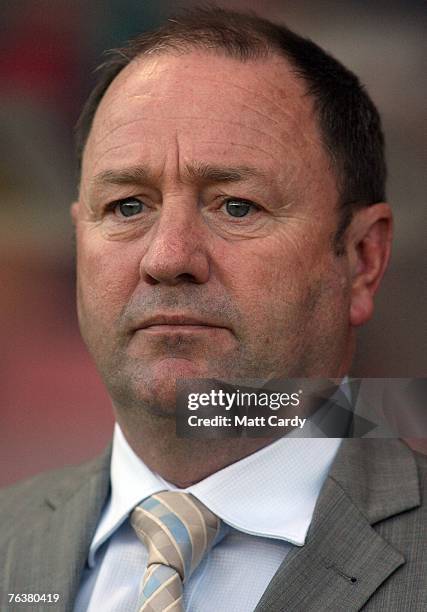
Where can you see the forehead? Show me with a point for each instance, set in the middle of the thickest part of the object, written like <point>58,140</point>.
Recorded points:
<point>208,108</point>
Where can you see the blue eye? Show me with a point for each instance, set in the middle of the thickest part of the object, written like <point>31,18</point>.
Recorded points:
<point>238,208</point>
<point>129,207</point>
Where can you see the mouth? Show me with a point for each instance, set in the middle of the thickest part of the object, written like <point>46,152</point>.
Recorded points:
<point>179,324</point>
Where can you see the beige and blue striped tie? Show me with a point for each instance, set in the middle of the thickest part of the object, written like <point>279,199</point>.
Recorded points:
<point>177,530</point>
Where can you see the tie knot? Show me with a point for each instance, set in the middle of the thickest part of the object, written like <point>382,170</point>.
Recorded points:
<point>177,530</point>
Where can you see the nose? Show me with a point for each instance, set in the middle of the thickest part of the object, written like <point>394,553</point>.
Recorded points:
<point>177,250</point>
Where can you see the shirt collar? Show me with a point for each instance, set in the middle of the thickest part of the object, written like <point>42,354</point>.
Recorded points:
<point>271,493</point>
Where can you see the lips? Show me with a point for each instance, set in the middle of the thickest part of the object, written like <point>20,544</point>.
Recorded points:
<point>176,321</point>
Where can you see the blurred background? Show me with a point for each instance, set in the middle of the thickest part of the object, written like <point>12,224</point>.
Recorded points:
<point>53,408</point>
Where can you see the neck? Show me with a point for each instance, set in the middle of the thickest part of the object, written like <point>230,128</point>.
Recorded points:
<point>183,461</point>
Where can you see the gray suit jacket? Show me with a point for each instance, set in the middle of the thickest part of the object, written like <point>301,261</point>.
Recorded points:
<point>365,550</point>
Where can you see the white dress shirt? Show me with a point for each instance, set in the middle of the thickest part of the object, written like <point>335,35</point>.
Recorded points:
<point>266,501</point>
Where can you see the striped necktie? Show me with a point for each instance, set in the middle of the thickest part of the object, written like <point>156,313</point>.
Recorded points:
<point>177,530</point>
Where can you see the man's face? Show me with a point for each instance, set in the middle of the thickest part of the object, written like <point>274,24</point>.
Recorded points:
<point>205,228</point>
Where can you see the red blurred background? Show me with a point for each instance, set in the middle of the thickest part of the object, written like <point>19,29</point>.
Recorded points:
<point>53,408</point>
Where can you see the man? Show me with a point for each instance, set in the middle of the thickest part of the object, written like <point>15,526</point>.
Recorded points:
<point>230,225</point>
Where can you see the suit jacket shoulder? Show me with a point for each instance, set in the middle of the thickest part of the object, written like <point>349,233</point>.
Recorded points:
<point>27,500</point>
<point>47,524</point>
<point>365,549</point>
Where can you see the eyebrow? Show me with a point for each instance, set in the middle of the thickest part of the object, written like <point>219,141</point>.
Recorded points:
<point>221,174</point>
<point>208,173</point>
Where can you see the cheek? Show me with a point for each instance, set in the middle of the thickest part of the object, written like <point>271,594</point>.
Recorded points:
<point>107,276</point>
<point>265,273</point>
<point>279,282</point>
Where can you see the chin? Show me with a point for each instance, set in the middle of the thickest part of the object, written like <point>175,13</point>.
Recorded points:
<point>156,398</point>
<point>154,390</point>
<point>173,368</point>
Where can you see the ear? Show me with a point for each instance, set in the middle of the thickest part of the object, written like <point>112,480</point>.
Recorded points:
<point>368,250</point>
<point>74,211</point>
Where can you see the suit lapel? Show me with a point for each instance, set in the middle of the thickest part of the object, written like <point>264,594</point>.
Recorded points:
<point>344,560</point>
<point>49,555</point>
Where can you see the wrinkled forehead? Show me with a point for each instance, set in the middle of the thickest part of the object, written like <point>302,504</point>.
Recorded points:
<point>271,79</point>
<point>208,99</point>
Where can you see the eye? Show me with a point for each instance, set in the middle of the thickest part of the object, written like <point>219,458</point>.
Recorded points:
<point>129,207</point>
<point>239,208</point>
